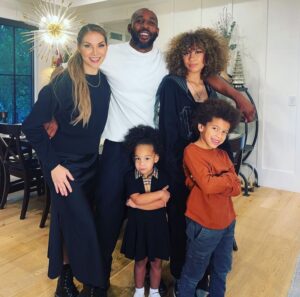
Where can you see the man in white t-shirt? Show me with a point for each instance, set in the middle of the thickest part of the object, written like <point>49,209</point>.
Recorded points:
<point>134,71</point>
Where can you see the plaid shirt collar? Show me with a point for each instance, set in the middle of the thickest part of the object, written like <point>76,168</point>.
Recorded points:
<point>149,177</point>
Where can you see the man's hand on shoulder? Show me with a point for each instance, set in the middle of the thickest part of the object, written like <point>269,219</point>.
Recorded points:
<point>51,128</point>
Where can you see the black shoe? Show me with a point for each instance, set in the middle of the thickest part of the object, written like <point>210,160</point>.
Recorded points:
<point>235,246</point>
<point>162,289</point>
<point>175,289</point>
<point>65,285</point>
<point>89,291</point>
<point>203,284</point>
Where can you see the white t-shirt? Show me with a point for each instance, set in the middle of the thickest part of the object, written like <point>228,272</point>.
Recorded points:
<point>134,78</point>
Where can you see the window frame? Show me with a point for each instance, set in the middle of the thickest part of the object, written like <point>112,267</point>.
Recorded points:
<point>16,25</point>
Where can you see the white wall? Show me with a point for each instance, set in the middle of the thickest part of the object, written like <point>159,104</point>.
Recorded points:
<point>270,42</point>
<point>10,9</point>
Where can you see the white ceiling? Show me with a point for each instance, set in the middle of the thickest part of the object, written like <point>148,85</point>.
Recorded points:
<point>103,3</point>
<point>85,3</point>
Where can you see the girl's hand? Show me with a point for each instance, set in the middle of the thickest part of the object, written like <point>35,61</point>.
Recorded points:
<point>165,196</point>
<point>60,177</point>
<point>130,203</point>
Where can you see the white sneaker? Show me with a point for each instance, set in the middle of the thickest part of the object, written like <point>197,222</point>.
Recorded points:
<point>139,294</point>
<point>201,293</point>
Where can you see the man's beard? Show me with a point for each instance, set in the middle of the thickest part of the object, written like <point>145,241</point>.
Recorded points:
<point>140,44</point>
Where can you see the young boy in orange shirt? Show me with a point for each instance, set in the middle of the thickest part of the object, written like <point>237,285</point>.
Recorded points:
<point>210,215</point>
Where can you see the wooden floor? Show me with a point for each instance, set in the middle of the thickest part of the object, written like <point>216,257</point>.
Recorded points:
<point>267,233</point>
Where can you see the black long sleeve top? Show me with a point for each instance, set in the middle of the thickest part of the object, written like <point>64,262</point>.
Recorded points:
<point>55,101</point>
<point>175,124</point>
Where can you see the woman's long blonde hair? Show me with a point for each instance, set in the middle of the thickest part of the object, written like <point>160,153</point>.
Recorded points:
<point>80,89</point>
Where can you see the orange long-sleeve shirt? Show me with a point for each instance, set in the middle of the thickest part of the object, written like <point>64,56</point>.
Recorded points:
<point>211,177</point>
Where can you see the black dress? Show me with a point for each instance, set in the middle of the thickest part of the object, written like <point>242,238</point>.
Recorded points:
<point>76,148</point>
<point>147,233</point>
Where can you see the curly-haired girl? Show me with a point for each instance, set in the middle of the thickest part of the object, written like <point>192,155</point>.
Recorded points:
<point>146,235</point>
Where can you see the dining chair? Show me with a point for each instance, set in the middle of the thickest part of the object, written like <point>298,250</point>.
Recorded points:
<point>18,159</point>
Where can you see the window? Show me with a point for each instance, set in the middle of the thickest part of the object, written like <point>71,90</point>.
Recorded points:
<point>16,70</point>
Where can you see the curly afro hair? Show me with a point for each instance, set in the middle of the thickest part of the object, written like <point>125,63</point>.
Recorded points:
<point>216,108</point>
<point>214,46</point>
<point>142,135</point>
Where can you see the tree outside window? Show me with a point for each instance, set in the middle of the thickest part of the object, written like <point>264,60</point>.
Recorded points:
<point>16,70</point>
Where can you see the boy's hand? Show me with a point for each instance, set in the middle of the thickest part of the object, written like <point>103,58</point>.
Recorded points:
<point>51,128</point>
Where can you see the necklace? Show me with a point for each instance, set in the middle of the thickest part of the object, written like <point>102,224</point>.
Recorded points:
<point>98,84</point>
<point>200,94</point>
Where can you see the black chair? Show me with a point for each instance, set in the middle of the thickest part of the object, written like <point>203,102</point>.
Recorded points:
<point>237,143</point>
<point>18,159</point>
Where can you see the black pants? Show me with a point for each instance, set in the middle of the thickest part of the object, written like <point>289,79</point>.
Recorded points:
<point>177,223</point>
<point>110,199</point>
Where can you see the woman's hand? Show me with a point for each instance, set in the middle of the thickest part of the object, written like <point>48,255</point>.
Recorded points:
<point>60,177</point>
<point>245,107</point>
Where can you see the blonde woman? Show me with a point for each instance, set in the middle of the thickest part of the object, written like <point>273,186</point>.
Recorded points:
<point>78,99</point>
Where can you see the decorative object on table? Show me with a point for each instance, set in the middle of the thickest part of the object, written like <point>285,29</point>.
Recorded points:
<point>57,59</point>
<point>238,79</point>
<point>234,74</point>
<point>226,27</point>
<point>57,27</point>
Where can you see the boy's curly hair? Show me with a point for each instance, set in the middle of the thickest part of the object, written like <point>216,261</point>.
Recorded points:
<point>142,135</point>
<point>216,108</point>
<point>213,44</point>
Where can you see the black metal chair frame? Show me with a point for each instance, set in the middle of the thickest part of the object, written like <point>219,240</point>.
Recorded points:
<point>17,159</point>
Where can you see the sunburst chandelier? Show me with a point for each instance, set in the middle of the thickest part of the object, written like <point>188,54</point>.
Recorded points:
<point>57,27</point>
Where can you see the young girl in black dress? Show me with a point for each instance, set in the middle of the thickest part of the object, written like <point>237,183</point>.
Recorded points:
<point>146,236</point>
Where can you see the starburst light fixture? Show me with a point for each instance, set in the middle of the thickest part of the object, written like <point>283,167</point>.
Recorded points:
<point>57,27</point>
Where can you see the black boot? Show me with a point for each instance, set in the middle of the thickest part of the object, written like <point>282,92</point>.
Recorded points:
<point>89,291</point>
<point>162,288</point>
<point>65,285</point>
